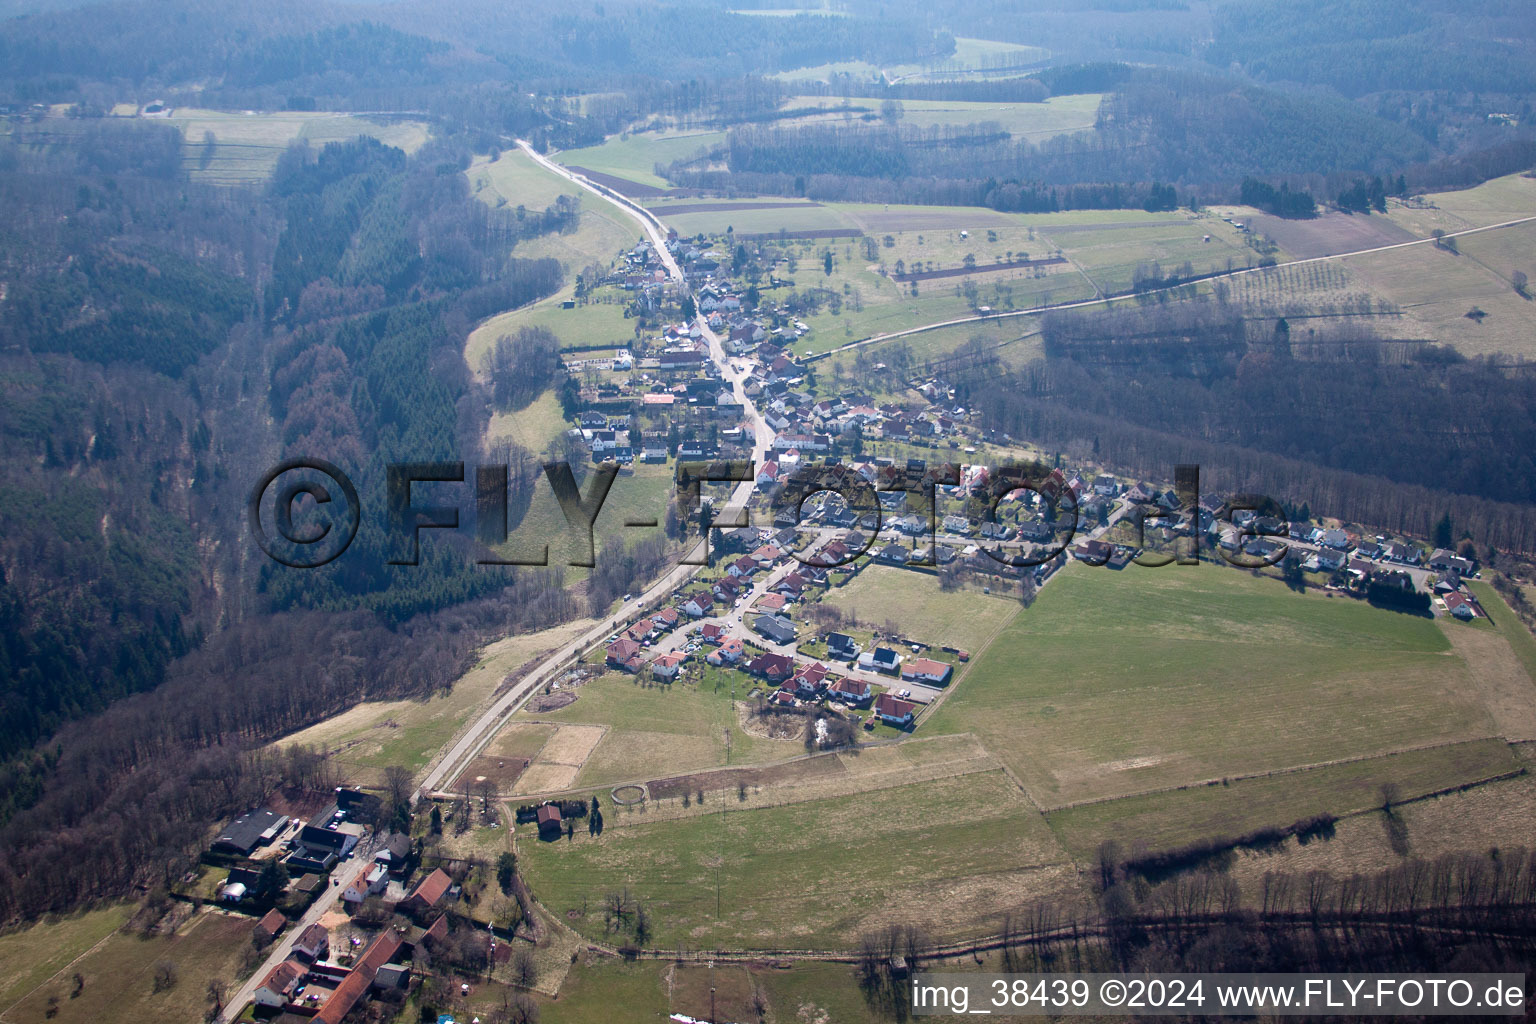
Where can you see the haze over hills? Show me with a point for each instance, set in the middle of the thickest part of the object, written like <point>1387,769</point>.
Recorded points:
<point>932,257</point>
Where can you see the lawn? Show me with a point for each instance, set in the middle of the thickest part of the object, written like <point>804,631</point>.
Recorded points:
<point>1117,683</point>
<point>32,955</point>
<point>913,601</point>
<point>247,145</point>
<point>815,873</point>
<point>375,734</point>
<point>1173,818</point>
<point>119,975</point>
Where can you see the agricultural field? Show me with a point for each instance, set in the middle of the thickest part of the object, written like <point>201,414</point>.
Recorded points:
<point>366,739</point>
<point>1171,818</point>
<point>31,956</point>
<point>119,975</point>
<point>972,58</point>
<point>1438,289</point>
<point>1058,115</point>
<point>966,619</point>
<point>716,217</point>
<point>1109,252</point>
<point>1493,202</point>
<point>246,146</point>
<point>634,157</point>
<point>1116,683</point>
<point>750,878</point>
<point>619,730</point>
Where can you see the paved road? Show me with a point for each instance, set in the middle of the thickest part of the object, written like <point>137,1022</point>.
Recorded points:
<point>344,875</point>
<point>474,739</point>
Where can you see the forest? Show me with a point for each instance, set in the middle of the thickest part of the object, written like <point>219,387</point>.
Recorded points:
<point>1390,433</point>
<point>321,313</point>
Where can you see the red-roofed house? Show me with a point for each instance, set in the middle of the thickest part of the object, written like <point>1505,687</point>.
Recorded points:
<point>668,665</point>
<point>699,605</point>
<point>550,825</point>
<point>851,691</point>
<point>354,987</point>
<point>712,633</point>
<point>313,943</point>
<point>270,925</point>
<point>625,654</point>
<point>744,566</point>
<point>771,666</point>
<point>893,711</point>
<point>728,653</point>
<point>926,670</point>
<point>278,987</point>
<point>429,892</point>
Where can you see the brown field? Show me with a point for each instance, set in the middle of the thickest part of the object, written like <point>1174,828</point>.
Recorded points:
<point>1507,690</point>
<point>560,758</point>
<point>671,208</point>
<point>1329,234</point>
<point>734,992</point>
<point>632,189</point>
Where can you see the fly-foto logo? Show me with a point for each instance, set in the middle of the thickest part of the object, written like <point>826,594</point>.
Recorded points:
<point>306,512</point>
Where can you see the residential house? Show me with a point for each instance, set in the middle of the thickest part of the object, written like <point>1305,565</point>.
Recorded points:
<point>699,605</point>
<point>773,667</point>
<point>881,659</point>
<point>926,671</point>
<point>624,654</point>
<point>1458,605</point>
<point>313,943</point>
<point>278,988</point>
<point>853,692</point>
<point>668,665</point>
<point>776,628</point>
<point>271,925</point>
<point>841,647</point>
<point>728,653</point>
<point>712,633</point>
<point>429,892</point>
<point>893,711</point>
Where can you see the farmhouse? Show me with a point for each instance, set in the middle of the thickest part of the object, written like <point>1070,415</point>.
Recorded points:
<point>354,987</point>
<point>927,671</point>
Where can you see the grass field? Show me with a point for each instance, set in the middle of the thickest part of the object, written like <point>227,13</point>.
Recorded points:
<point>656,731</point>
<point>964,619</point>
<point>1115,683</point>
<point>119,973</point>
<point>247,145</point>
<point>1438,288</point>
<point>634,157</point>
<point>814,873</point>
<point>32,955</point>
<point>1492,202</point>
<point>637,495</point>
<point>375,734</point>
<point>1058,115</point>
<point>800,217</point>
<point>971,55</point>
<point>1174,818</point>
